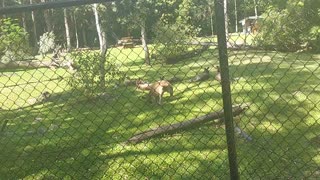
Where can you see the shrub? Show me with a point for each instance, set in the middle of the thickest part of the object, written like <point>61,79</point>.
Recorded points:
<point>87,75</point>
<point>14,41</point>
<point>290,29</point>
<point>172,41</point>
<point>314,38</point>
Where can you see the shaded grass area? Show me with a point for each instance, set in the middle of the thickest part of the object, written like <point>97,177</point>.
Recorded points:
<point>69,136</point>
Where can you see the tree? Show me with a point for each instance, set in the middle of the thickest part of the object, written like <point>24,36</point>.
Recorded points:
<point>282,29</point>
<point>225,10</point>
<point>103,45</point>
<point>236,15</point>
<point>34,27</point>
<point>144,43</point>
<point>66,25</point>
<point>47,18</point>
<point>23,17</point>
<point>134,15</point>
<point>142,12</point>
<point>76,29</point>
<point>174,32</point>
<point>3,5</point>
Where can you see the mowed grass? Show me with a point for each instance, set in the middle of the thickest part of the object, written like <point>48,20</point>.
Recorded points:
<point>72,137</point>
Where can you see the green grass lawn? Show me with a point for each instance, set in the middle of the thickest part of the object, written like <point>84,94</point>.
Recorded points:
<point>71,137</point>
<point>233,38</point>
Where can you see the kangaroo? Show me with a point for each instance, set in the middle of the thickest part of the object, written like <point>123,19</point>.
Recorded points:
<point>202,76</point>
<point>144,86</point>
<point>126,80</point>
<point>175,79</point>
<point>218,75</point>
<point>158,88</point>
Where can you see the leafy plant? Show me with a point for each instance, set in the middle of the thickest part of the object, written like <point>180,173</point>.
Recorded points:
<point>173,42</point>
<point>14,41</point>
<point>290,29</point>
<point>87,75</point>
<point>314,38</point>
<point>174,32</point>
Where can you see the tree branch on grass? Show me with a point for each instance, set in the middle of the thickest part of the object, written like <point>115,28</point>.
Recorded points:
<point>184,125</point>
<point>25,64</point>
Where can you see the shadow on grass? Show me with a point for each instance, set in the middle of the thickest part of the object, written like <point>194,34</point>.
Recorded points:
<point>282,117</point>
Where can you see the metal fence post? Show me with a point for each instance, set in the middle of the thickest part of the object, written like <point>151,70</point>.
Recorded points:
<point>226,91</point>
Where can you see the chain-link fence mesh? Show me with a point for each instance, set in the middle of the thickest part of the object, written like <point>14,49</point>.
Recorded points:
<point>132,90</point>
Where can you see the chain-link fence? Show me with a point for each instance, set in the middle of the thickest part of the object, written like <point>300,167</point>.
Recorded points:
<point>135,89</point>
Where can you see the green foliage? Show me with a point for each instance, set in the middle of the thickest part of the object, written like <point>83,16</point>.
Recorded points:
<point>289,29</point>
<point>87,75</point>
<point>314,38</point>
<point>14,41</point>
<point>170,41</point>
<point>173,33</point>
<point>47,42</point>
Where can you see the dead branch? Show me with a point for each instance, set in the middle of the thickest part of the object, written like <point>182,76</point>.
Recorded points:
<point>25,64</point>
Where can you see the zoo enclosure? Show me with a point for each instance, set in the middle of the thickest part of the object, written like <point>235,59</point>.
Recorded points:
<point>42,108</point>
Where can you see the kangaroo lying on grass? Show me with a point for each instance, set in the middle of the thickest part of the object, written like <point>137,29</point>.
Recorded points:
<point>218,76</point>
<point>156,90</point>
<point>202,76</point>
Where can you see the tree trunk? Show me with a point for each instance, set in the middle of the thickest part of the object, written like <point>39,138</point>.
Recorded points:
<point>255,9</point>
<point>236,14</point>
<point>144,43</point>
<point>183,125</point>
<point>3,5</point>
<point>84,36</point>
<point>23,18</point>
<point>211,21</point>
<point>76,30</point>
<point>24,23</point>
<point>47,18</point>
<point>103,46</point>
<point>226,18</point>
<point>34,26</point>
<point>66,25</point>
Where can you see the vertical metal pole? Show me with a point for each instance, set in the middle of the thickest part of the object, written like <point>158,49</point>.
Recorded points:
<point>226,91</point>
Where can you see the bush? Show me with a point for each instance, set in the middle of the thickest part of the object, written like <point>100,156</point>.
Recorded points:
<point>14,41</point>
<point>314,38</point>
<point>47,43</point>
<point>289,29</point>
<point>87,75</point>
<point>172,42</point>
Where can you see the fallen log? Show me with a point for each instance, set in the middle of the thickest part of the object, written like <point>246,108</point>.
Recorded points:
<point>184,125</point>
<point>26,64</point>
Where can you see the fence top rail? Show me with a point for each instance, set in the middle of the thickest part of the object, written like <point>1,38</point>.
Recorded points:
<point>48,5</point>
